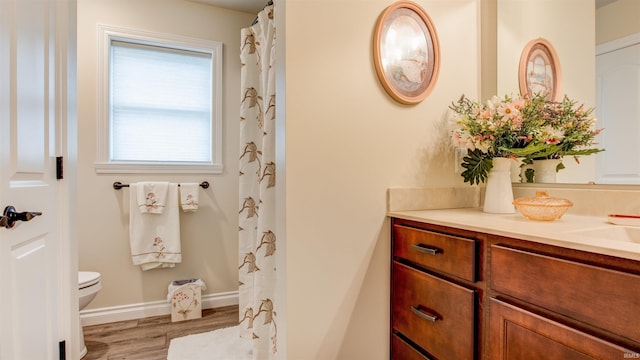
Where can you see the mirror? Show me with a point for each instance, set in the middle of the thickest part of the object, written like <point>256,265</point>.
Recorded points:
<point>572,27</point>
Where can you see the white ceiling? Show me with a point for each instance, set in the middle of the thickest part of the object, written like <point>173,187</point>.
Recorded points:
<point>250,6</point>
<point>254,6</point>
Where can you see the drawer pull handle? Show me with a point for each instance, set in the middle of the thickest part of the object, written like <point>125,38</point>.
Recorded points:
<point>423,314</point>
<point>426,249</point>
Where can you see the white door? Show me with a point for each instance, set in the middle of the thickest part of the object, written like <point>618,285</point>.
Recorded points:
<point>32,277</point>
<point>618,111</point>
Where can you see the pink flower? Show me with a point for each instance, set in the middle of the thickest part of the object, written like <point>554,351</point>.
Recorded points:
<point>508,110</point>
<point>516,123</point>
<point>487,114</point>
<point>518,103</point>
<point>461,139</point>
<point>551,135</point>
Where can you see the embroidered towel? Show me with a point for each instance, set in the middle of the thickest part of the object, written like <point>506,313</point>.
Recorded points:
<point>152,197</point>
<point>189,196</point>
<point>155,238</point>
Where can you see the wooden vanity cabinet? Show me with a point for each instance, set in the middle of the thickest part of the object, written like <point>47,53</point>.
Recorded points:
<point>478,296</point>
<point>434,297</point>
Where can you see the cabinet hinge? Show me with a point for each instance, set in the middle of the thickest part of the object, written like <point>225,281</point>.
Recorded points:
<point>62,348</point>
<point>59,174</point>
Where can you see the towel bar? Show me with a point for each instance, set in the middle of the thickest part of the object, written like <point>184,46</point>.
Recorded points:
<point>118,185</point>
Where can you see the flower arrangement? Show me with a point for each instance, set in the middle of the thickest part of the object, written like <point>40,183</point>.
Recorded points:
<point>514,126</point>
<point>566,129</point>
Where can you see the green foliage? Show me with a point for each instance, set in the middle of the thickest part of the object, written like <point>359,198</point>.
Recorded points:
<point>536,150</point>
<point>582,152</point>
<point>477,166</point>
<point>528,174</point>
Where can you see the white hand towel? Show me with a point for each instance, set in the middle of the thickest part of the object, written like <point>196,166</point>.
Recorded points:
<point>152,197</point>
<point>189,196</point>
<point>155,239</point>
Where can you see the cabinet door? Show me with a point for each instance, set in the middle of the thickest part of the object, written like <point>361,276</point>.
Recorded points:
<point>436,314</point>
<point>515,333</point>
<point>601,297</point>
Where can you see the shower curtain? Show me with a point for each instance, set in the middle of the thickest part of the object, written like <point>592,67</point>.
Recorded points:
<point>257,235</point>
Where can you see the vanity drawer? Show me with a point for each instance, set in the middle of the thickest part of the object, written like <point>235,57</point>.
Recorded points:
<point>607,299</point>
<point>400,350</point>
<point>451,254</point>
<point>434,313</point>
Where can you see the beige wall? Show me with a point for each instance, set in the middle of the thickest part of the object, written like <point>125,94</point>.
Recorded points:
<point>347,141</point>
<point>209,236</point>
<point>617,20</point>
<point>520,21</point>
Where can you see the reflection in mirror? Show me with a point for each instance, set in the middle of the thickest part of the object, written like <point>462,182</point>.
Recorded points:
<point>405,47</point>
<point>520,21</point>
<point>539,72</point>
<point>618,91</point>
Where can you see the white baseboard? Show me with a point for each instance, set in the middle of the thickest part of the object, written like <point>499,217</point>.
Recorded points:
<point>153,308</point>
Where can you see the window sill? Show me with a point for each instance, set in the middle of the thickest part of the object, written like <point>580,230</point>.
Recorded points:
<point>146,168</point>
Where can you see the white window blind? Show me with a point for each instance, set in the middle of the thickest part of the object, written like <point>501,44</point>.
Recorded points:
<point>160,104</point>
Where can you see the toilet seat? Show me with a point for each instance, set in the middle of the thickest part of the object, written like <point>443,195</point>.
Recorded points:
<point>88,286</point>
<point>87,279</point>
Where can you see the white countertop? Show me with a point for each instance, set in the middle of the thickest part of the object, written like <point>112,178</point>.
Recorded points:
<point>565,232</point>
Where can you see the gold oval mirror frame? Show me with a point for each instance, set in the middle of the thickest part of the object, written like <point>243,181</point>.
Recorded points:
<point>406,52</point>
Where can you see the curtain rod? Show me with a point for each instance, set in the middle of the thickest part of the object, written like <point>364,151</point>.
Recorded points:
<point>255,21</point>
<point>118,185</point>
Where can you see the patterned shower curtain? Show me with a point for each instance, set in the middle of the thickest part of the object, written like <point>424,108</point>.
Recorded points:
<point>257,236</point>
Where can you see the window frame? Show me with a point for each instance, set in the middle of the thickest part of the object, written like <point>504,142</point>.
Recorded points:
<point>103,162</point>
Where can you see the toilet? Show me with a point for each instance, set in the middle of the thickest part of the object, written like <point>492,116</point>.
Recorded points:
<point>88,286</point>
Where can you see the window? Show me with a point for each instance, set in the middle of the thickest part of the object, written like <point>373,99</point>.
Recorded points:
<point>160,104</point>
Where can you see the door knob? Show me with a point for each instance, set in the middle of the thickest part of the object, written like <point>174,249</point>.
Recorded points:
<point>10,216</point>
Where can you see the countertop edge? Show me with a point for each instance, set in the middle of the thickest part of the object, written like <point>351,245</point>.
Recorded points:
<point>557,233</point>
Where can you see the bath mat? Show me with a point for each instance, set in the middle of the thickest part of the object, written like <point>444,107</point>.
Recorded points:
<point>221,344</point>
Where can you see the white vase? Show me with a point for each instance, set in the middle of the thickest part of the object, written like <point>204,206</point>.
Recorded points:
<point>545,170</point>
<point>498,196</point>
<point>515,170</point>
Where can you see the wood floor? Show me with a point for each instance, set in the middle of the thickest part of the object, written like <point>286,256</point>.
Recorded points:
<point>149,338</point>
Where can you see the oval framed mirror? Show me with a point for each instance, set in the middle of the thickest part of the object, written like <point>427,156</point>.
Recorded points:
<point>406,52</point>
<point>539,70</point>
